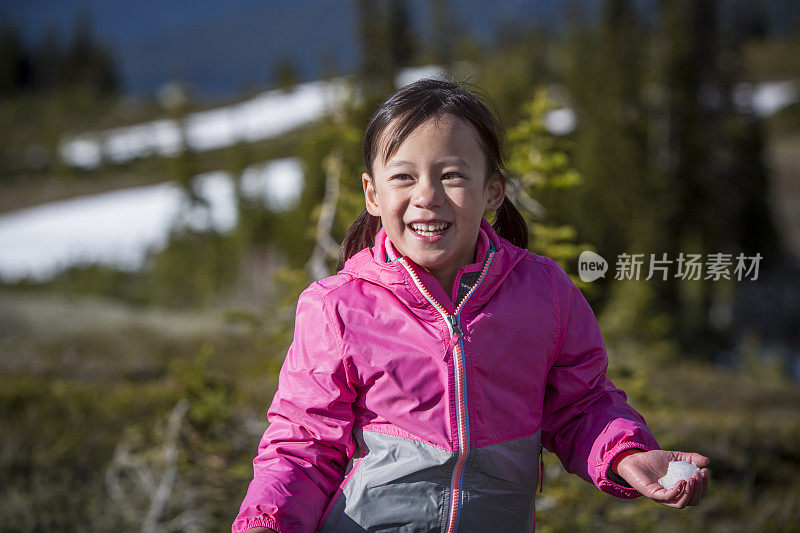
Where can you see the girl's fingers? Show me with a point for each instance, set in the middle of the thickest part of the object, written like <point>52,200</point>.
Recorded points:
<point>692,491</point>
<point>700,460</point>
<point>670,497</point>
<point>702,484</point>
<point>665,495</point>
<point>685,495</point>
<point>697,490</point>
<point>705,480</point>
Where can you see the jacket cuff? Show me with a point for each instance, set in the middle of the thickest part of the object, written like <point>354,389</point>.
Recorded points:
<point>258,521</point>
<point>612,483</point>
<point>614,478</point>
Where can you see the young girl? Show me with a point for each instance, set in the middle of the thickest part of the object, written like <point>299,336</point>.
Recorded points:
<point>426,375</point>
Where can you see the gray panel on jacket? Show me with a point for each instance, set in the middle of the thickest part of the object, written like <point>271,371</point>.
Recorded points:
<point>400,485</point>
<point>403,485</point>
<point>500,486</point>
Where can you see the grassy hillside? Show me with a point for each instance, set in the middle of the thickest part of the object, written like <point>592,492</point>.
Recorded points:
<point>88,387</point>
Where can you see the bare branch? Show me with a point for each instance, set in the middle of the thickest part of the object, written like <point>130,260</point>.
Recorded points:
<point>325,245</point>
<point>142,467</point>
<point>521,197</point>
<point>162,495</point>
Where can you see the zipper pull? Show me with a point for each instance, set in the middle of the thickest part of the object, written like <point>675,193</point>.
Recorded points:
<point>455,324</point>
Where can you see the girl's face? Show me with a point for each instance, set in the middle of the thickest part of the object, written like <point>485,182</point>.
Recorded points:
<point>432,193</point>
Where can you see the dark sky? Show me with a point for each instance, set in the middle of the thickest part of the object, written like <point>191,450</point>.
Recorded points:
<point>219,46</point>
<point>223,46</point>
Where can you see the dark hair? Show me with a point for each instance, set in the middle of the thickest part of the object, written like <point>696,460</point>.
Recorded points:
<point>413,105</point>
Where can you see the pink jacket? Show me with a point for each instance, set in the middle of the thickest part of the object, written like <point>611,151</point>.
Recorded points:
<point>401,407</point>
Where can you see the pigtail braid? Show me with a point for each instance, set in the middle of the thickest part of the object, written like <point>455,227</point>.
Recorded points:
<point>360,235</point>
<point>509,224</point>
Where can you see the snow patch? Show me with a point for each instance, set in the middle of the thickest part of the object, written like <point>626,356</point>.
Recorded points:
<point>120,228</point>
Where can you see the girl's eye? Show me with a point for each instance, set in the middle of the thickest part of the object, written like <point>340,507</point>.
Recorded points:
<point>452,175</point>
<point>401,177</point>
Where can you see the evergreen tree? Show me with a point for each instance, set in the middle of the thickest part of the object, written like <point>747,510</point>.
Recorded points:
<point>48,62</point>
<point>714,182</point>
<point>377,72</point>
<point>402,47</point>
<point>543,172</point>
<point>49,66</point>
<point>751,19</point>
<point>517,64</point>
<point>88,65</point>
<point>286,75</point>
<point>605,80</point>
<point>444,32</point>
<point>15,67</point>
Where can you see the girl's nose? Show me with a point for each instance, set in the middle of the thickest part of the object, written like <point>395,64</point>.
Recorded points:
<point>427,194</point>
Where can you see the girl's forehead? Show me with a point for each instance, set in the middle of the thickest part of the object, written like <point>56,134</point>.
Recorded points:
<point>389,143</point>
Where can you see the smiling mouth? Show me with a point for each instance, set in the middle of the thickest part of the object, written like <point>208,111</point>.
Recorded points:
<point>429,229</point>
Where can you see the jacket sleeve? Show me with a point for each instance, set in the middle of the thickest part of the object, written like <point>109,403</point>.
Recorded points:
<point>303,453</point>
<point>586,420</point>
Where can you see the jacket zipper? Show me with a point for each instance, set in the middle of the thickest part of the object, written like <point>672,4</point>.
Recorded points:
<point>459,367</point>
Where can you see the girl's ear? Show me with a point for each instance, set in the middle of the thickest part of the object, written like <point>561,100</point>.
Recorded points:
<point>496,188</point>
<point>370,196</point>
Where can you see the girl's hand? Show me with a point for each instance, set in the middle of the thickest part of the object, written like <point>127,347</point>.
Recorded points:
<point>643,469</point>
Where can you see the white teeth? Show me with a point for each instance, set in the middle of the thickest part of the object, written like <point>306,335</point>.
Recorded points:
<point>428,230</point>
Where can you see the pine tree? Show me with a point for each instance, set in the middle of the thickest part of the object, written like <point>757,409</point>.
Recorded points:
<point>610,152</point>
<point>376,73</point>
<point>15,67</point>
<point>517,65</point>
<point>444,32</point>
<point>88,65</point>
<point>48,62</point>
<point>604,78</point>
<point>542,171</point>
<point>402,47</point>
<point>286,75</point>
<point>713,182</point>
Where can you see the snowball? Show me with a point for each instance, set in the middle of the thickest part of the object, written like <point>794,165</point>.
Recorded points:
<point>677,471</point>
